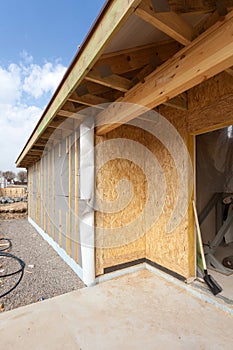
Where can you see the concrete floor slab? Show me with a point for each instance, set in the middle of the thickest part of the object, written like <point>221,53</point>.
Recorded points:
<point>136,311</point>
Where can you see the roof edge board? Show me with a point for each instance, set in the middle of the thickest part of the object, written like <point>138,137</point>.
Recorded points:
<point>114,14</point>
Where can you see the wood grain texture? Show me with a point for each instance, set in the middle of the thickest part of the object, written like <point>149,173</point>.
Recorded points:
<point>174,251</point>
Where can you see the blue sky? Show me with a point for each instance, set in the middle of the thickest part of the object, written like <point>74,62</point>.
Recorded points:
<point>38,40</point>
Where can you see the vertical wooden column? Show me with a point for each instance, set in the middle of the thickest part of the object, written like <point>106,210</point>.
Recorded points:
<point>49,194</point>
<point>76,171</point>
<point>44,192</point>
<point>29,191</point>
<point>32,197</point>
<point>60,228</point>
<point>38,193</point>
<point>53,189</point>
<point>69,213</point>
<point>191,223</point>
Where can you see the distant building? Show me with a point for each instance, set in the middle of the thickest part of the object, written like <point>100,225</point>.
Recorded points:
<point>3,182</point>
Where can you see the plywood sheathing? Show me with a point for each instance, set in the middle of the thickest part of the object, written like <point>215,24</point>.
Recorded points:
<point>174,251</point>
<point>106,181</point>
<point>210,104</point>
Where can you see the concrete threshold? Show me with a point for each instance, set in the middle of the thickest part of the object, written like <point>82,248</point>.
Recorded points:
<point>134,311</point>
<point>195,288</point>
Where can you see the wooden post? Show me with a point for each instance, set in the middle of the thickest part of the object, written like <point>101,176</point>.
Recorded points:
<point>76,170</point>
<point>44,192</point>
<point>54,199</point>
<point>49,192</point>
<point>60,229</point>
<point>69,213</point>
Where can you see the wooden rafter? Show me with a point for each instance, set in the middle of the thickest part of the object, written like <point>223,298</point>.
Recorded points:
<point>35,152</point>
<point>115,15</point>
<point>92,88</point>
<point>62,123</point>
<point>87,100</point>
<point>113,81</point>
<point>132,59</point>
<point>170,23</point>
<point>206,56</point>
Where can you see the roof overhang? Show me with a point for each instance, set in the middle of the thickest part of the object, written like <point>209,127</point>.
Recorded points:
<point>138,51</point>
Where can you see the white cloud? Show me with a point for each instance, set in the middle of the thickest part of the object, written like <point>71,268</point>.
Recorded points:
<point>41,80</point>
<point>10,84</point>
<point>21,85</point>
<point>15,128</point>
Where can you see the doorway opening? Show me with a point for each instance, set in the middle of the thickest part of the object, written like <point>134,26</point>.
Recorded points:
<point>214,199</point>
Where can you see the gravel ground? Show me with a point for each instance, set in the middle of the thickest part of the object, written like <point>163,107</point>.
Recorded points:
<point>46,274</point>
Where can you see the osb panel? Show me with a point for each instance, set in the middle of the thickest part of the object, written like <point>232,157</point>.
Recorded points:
<point>106,181</point>
<point>215,116</point>
<point>210,104</point>
<point>210,91</point>
<point>171,250</point>
<point>174,251</point>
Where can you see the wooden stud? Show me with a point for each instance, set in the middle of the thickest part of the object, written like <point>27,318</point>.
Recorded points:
<point>191,230</point>
<point>44,193</point>
<point>49,194</point>
<point>60,228</point>
<point>69,213</point>
<point>76,172</point>
<point>54,193</point>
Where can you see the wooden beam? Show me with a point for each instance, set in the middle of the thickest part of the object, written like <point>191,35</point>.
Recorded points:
<point>124,61</point>
<point>65,113</point>
<point>92,88</point>
<point>40,144</point>
<point>170,23</point>
<point>206,56</point>
<point>65,124</point>
<point>87,100</point>
<point>114,16</point>
<point>113,81</point>
<point>35,152</point>
<point>196,6</point>
<point>206,23</point>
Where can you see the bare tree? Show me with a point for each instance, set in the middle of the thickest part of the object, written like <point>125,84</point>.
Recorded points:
<point>9,175</point>
<point>22,176</point>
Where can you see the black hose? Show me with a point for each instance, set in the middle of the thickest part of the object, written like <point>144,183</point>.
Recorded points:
<point>7,247</point>
<point>21,271</point>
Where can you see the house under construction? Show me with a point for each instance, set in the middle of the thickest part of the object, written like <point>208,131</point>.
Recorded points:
<point>140,125</point>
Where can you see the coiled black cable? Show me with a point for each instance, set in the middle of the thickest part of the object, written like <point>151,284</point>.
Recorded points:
<point>20,271</point>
